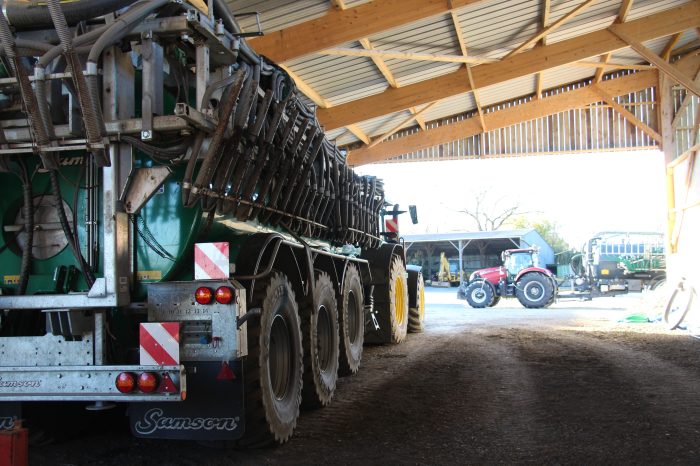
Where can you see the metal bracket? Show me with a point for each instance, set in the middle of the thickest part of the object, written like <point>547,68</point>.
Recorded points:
<point>144,183</point>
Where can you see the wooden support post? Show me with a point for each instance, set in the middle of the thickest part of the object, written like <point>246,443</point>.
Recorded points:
<point>665,90</point>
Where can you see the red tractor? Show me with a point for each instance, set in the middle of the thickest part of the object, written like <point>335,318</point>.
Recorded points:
<point>519,276</point>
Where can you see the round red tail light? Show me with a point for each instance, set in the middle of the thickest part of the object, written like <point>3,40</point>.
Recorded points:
<point>147,382</point>
<point>224,295</point>
<point>203,295</point>
<point>125,382</point>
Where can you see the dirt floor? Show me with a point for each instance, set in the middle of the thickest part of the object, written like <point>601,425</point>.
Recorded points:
<point>564,385</point>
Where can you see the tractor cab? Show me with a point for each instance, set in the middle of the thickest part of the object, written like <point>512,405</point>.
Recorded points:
<point>515,260</point>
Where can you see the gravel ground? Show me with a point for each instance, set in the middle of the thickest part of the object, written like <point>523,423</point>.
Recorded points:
<point>564,385</point>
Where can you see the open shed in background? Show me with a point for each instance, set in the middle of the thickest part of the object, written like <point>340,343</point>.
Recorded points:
<point>473,250</point>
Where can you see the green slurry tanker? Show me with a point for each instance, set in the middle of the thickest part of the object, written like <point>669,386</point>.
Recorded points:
<point>178,235</point>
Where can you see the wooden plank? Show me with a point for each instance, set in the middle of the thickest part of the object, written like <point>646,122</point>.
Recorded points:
<point>401,125</point>
<point>376,53</point>
<point>626,113</point>
<point>306,89</point>
<point>552,27</point>
<point>526,63</point>
<point>651,57</point>
<point>502,118</point>
<point>361,135</point>
<point>379,63</point>
<point>339,26</point>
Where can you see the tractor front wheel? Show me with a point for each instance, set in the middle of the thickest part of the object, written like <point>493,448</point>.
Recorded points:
<point>479,294</point>
<point>535,290</point>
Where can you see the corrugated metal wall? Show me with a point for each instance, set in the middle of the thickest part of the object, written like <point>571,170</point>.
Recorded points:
<point>592,128</point>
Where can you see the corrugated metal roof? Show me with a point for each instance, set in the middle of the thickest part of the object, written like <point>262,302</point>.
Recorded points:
<point>467,235</point>
<point>490,29</point>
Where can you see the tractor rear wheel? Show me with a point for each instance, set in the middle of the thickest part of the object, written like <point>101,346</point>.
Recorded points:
<point>352,322</point>
<point>479,294</point>
<point>319,328</point>
<point>398,305</point>
<point>416,315</point>
<point>535,290</point>
<point>273,367</point>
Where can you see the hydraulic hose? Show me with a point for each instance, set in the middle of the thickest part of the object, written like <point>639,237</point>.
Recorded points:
<point>28,212</point>
<point>65,226</point>
<point>23,14</point>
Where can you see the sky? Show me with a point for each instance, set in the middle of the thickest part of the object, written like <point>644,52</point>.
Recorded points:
<point>582,193</point>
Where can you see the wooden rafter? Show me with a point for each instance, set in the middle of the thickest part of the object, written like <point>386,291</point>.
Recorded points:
<point>379,63</point>
<point>546,6</point>
<point>372,53</point>
<point>539,59</point>
<point>552,27</point>
<point>389,76</point>
<point>339,4</point>
<point>463,48</point>
<point>625,8</point>
<point>357,131</point>
<point>338,26</point>
<point>668,48</point>
<point>621,18</point>
<point>686,102</point>
<point>401,125</point>
<point>306,89</point>
<point>534,109</point>
<point>651,57</point>
<point>629,116</point>
<point>612,66</point>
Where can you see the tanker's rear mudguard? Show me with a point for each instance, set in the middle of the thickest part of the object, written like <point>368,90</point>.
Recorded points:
<point>212,410</point>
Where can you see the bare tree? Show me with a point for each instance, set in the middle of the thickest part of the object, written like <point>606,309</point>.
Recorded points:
<point>490,216</point>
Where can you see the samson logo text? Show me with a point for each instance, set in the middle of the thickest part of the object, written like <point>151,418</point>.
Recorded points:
<point>155,420</point>
<point>19,383</point>
<point>7,423</point>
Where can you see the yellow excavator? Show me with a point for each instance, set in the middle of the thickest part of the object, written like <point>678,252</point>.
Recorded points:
<point>448,275</point>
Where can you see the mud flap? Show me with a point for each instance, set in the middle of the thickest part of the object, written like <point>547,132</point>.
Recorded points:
<point>10,413</point>
<point>213,409</point>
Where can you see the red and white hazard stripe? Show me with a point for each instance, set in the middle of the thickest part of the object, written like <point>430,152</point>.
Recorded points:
<point>392,225</point>
<point>159,343</point>
<point>211,261</point>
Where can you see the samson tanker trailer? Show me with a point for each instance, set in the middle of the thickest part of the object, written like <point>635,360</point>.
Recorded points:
<point>178,234</point>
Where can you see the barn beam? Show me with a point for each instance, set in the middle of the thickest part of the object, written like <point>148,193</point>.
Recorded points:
<point>651,57</point>
<point>629,116</point>
<point>551,28</point>
<point>536,108</point>
<point>621,18</point>
<point>376,53</point>
<point>339,26</point>
<point>526,63</point>
<point>546,7</point>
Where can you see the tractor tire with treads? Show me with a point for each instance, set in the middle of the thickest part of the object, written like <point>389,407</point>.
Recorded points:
<point>416,312</point>
<point>351,321</point>
<point>535,290</point>
<point>273,367</point>
<point>479,294</point>
<point>319,329</point>
<point>398,301</point>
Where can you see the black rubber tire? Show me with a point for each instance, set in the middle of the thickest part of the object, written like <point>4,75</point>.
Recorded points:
<point>398,305</point>
<point>479,294</point>
<point>495,301</point>
<point>351,319</point>
<point>416,315</point>
<point>273,368</point>
<point>319,329</point>
<point>534,290</point>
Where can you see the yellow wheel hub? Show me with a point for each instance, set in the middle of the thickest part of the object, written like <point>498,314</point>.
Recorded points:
<point>400,302</point>
<point>421,303</point>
